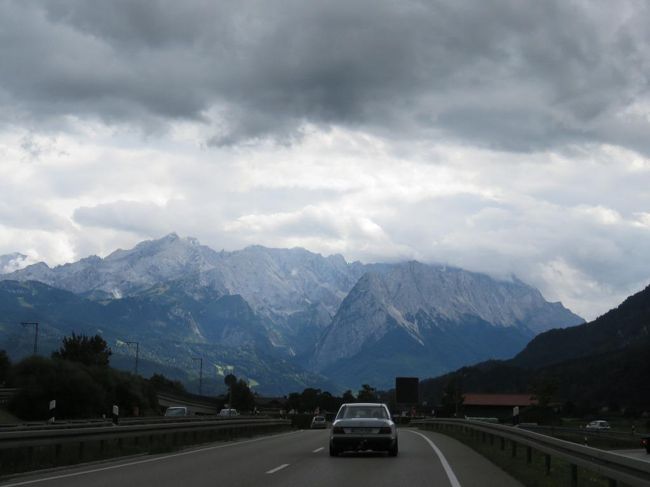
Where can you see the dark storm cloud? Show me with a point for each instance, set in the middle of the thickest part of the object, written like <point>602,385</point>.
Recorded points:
<point>507,74</point>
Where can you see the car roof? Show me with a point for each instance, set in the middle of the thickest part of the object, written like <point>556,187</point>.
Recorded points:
<point>363,404</point>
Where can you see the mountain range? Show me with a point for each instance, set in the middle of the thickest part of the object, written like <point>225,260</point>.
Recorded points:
<point>603,363</point>
<point>283,318</point>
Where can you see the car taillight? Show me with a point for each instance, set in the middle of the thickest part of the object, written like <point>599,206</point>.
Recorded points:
<point>644,441</point>
<point>338,430</point>
<point>385,430</point>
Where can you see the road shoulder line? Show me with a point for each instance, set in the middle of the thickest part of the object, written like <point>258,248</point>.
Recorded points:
<point>445,464</point>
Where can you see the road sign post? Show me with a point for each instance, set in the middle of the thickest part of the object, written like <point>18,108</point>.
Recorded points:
<point>52,411</point>
<point>407,393</point>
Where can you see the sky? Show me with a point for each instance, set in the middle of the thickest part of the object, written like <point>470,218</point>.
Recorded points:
<point>507,137</point>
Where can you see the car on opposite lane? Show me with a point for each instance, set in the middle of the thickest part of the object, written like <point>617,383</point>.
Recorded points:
<point>176,411</point>
<point>598,425</point>
<point>228,412</point>
<point>363,426</point>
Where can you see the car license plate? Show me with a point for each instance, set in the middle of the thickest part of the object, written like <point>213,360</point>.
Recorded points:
<point>366,431</point>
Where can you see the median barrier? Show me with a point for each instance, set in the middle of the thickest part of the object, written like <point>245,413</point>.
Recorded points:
<point>538,459</point>
<point>24,450</point>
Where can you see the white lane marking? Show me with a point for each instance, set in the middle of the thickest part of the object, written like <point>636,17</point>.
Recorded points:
<point>445,464</point>
<point>140,462</point>
<point>318,449</point>
<point>276,469</point>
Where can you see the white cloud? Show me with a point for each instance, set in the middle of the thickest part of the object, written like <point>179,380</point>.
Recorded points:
<point>508,139</point>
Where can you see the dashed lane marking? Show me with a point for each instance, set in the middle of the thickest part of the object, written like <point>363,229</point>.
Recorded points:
<point>148,460</point>
<point>318,449</point>
<point>277,469</point>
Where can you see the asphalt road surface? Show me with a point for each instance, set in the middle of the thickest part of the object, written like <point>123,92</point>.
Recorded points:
<point>299,458</point>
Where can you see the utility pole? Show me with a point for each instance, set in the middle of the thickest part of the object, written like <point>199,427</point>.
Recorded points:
<point>200,359</point>
<point>231,368</point>
<point>137,354</point>
<point>35,325</point>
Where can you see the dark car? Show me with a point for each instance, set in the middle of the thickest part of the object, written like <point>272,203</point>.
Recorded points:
<point>318,422</point>
<point>645,443</point>
<point>361,427</point>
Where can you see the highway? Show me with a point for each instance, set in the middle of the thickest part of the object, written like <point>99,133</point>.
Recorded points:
<point>298,458</point>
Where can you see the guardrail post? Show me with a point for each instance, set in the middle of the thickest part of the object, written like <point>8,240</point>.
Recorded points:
<point>491,439</point>
<point>574,475</point>
<point>514,449</point>
<point>547,464</point>
<point>81,450</point>
<point>57,453</point>
<point>612,483</point>
<point>529,455</point>
<point>503,442</point>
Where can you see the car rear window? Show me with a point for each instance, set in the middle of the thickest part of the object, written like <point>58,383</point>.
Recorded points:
<point>350,412</point>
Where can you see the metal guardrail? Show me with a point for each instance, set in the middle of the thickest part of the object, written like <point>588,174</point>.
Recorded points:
<point>49,436</point>
<point>614,467</point>
<point>31,449</point>
<point>90,423</point>
<point>584,432</point>
<point>6,394</point>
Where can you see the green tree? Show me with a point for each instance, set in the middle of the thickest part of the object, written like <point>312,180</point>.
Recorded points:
<point>162,383</point>
<point>243,398</point>
<point>84,349</point>
<point>310,399</point>
<point>230,380</point>
<point>544,389</point>
<point>40,380</point>
<point>348,396</point>
<point>367,394</point>
<point>5,366</point>
<point>293,402</point>
<point>452,398</point>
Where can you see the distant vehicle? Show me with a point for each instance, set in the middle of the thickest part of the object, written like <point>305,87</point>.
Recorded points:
<point>645,443</point>
<point>228,412</point>
<point>318,422</point>
<point>175,411</point>
<point>598,425</point>
<point>363,426</point>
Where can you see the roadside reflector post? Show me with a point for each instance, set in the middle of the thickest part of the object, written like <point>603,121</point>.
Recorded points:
<point>52,411</point>
<point>574,475</point>
<point>116,414</point>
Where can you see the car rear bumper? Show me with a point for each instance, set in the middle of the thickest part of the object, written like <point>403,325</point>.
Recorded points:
<point>359,443</point>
